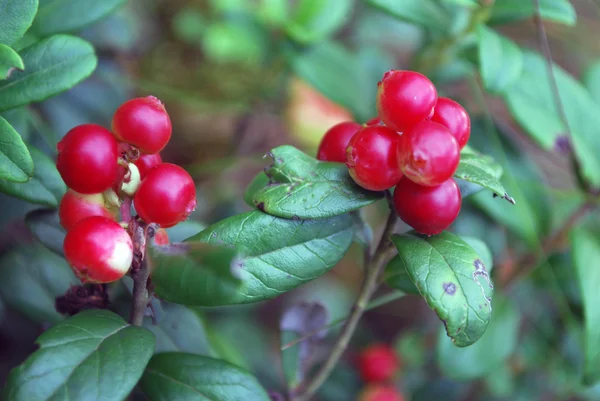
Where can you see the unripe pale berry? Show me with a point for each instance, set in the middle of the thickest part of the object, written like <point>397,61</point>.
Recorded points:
<point>333,145</point>
<point>454,117</point>
<point>144,123</point>
<point>380,393</point>
<point>87,159</point>
<point>145,163</point>
<point>131,181</point>
<point>378,363</point>
<point>99,250</point>
<point>75,207</point>
<point>166,196</point>
<point>161,237</point>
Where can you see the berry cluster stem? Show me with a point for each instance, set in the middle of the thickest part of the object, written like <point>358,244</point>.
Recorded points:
<point>140,294</point>
<point>374,268</point>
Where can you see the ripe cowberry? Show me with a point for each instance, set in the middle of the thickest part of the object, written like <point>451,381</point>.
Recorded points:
<point>428,153</point>
<point>380,393</point>
<point>334,142</point>
<point>429,210</point>
<point>99,250</point>
<point>87,159</point>
<point>454,117</point>
<point>145,163</point>
<point>372,158</point>
<point>166,196</point>
<point>378,363</point>
<point>144,123</point>
<point>161,237</point>
<point>75,207</point>
<point>404,99</point>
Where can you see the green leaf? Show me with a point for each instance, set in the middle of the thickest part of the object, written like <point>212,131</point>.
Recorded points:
<point>453,280</point>
<point>500,60</point>
<point>397,277</point>
<point>45,225</point>
<point>9,61</point>
<point>493,348</point>
<point>94,355</point>
<point>16,164</point>
<point>277,256</point>
<point>177,376</point>
<point>586,250</point>
<point>45,188</point>
<point>532,103</point>
<point>31,277</point>
<point>17,16</point>
<point>513,10</point>
<point>51,67</point>
<point>302,187</point>
<point>591,79</point>
<point>59,16</point>
<point>482,170</point>
<point>465,3</point>
<point>314,20</point>
<point>426,13</point>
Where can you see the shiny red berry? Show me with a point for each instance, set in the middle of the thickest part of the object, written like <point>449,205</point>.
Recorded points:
<point>166,196</point>
<point>334,142</point>
<point>144,123</point>
<point>146,162</point>
<point>75,207</point>
<point>161,237</point>
<point>404,99</point>
<point>429,210</point>
<point>87,159</point>
<point>372,158</point>
<point>99,250</point>
<point>378,363</point>
<point>428,154</point>
<point>380,393</point>
<point>454,117</point>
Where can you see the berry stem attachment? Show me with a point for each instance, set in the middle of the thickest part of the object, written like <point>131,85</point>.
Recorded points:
<point>370,284</point>
<point>126,210</point>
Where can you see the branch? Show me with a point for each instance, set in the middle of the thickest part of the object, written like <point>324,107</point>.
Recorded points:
<point>140,294</point>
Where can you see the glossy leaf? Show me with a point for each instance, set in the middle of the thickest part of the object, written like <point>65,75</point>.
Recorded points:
<point>31,277</point>
<point>302,187</point>
<point>94,355</point>
<point>16,164</point>
<point>45,225</point>
<point>513,10</point>
<point>52,66</point>
<point>17,16</point>
<point>59,16</point>
<point>493,348</point>
<point>465,3</point>
<point>591,79</point>
<point>586,251</point>
<point>426,13</point>
<point>453,280</point>
<point>45,188</point>
<point>314,20</point>
<point>500,60</point>
<point>397,277</point>
<point>483,171</point>
<point>9,61</point>
<point>178,376</point>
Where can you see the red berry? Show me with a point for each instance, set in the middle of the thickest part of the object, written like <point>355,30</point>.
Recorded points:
<point>372,158</point>
<point>454,117</point>
<point>404,99</point>
<point>374,121</point>
<point>167,196</point>
<point>161,237</point>
<point>378,363</point>
<point>428,154</point>
<point>334,142</point>
<point>146,162</point>
<point>144,123</point>
<point>75,207</point>
<point>99,250</point>
<point>380,393</point>
<point>429,210</point>
<point>87,159</point>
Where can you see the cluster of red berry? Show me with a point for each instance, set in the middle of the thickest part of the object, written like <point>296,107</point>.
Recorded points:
<point>107,171</point>
<point>378,364</point>
<point>414,144</point>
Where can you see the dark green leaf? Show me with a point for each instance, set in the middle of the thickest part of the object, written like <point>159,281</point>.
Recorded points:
<point>277,256</point>
<point>397,277</point>
<point>20,119</point>
<point>482,170</point>
<point>453,279</point>
<point>493,348</point>
<point>59,16</point>
<point>500,60</point>
<point>30,280</point>
<point>586,252</point>
<point>314,20</point>
<point>45,225</point>
<point>9,61</point>
<point>426,13</point>
<point>17,16</point>
<point>177,376</point>
<point>466,3</point>
<point>51,66</point>
<point>482,250</point>
<point>302,187</point>
<point>513,10</point>
<point>591,80</point>
<point>94,355</point>
<point>16,164</point>
<point>45,188</point>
